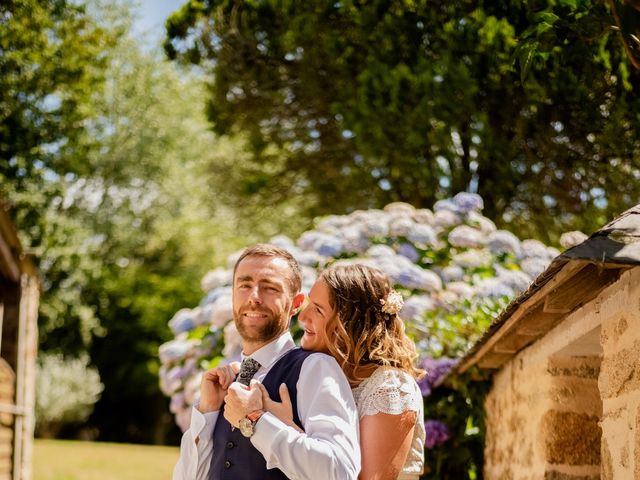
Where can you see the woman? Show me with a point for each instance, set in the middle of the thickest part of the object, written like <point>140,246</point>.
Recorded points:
<point>353,315</point>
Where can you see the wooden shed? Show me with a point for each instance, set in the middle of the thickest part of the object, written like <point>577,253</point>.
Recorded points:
<point>564,403</point>
<point>19,294</point>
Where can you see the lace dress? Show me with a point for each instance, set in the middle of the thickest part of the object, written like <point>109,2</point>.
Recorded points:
<point>393,391</point>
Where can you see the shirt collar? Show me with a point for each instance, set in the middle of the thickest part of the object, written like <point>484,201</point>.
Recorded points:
<point>272,351</point>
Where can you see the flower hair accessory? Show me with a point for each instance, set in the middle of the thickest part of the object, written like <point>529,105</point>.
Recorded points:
<point>393,303</point>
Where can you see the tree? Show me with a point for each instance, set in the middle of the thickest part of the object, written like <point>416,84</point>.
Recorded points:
<point>362,103</point>
<point>105,152</point>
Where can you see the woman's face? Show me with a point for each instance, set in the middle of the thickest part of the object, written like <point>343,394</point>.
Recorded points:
<point>314,319</point>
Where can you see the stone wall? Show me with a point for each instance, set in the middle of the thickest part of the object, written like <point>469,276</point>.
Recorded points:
<point>619,380</point>
<point>568,406</point>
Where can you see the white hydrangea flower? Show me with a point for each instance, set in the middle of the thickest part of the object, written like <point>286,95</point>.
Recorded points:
<point>215,278</point>
<point>282,241</point>
<point>221,311</point>
<point>421,235</point>
<point>400,208</point>
<point>232,342</point>
<point>400,227</point>
<point>481,222</point>
<point>473,258</point>
<point>447,205</point>
<point>452,273</point>
<point>502,241</point>
<point>423,216</point>
<point>467,237</point>
<point>533,248</point>
<point>462,289</point>
<point>376,251</point>
<point>534,266</point>
<point>444,219</point>
<point>416,306</point>
<point>571,239</point>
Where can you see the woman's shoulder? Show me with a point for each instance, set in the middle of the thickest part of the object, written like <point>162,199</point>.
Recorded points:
<point>387,390</point>
<point>391,377</point>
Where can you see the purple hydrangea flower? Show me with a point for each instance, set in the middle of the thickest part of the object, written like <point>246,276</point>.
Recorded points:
<point>437,369</point>
<point>436,433</point>
<point>407,250</point>
<point>466,202</point>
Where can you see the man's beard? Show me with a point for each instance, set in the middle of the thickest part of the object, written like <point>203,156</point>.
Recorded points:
<point>271,328</point>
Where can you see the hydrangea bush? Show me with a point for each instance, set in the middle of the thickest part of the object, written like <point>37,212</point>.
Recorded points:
<point>455,269</point>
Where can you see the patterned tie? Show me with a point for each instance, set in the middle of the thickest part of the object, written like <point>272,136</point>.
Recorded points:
<point>248,369</point>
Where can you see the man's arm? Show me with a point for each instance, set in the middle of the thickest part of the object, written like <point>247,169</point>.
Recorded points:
<point>329,447</point>
<point>196,447</point>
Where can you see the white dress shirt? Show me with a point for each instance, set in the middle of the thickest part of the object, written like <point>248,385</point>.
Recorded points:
<point>329,447</point>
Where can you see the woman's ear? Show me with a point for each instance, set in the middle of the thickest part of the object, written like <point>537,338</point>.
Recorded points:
<point>297,304</point>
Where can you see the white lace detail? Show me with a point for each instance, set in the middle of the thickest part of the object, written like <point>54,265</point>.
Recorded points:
<point>387,390</point>
<point>393,391</point>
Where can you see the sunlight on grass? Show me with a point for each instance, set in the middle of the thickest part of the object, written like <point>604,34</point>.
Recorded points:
<point>72,460</point>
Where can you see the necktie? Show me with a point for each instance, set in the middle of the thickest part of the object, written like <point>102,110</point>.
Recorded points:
<point>248,369</point>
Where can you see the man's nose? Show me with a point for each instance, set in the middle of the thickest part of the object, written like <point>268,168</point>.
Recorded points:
<point>254,296</point>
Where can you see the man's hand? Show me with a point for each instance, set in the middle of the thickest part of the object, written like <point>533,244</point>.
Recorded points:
<point>241,401</point>
<point>214,385</point>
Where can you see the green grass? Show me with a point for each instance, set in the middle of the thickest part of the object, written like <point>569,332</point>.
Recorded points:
<point>71,460</point>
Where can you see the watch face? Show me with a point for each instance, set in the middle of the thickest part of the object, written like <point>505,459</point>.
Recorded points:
<point>246,427</point>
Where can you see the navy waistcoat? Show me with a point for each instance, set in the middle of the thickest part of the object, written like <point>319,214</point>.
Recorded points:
<point>234,457</point>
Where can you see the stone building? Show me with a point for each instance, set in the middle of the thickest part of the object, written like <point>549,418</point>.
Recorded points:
<point>565,397</point>
<point>19,293</point>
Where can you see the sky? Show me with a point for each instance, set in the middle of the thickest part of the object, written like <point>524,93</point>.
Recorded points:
<point>151,16</point>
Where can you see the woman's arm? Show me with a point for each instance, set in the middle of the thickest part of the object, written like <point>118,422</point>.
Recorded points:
<point>385,440</point>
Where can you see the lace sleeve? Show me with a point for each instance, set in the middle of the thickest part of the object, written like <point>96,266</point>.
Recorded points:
<point>389,391</point>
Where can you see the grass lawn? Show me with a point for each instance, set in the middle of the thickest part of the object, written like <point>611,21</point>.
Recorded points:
<point>71,460</point>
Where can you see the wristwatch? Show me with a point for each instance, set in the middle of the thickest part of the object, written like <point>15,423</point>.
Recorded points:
<point>247,424</point>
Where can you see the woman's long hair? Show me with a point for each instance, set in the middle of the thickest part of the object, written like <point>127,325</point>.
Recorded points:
<point>363,334</point>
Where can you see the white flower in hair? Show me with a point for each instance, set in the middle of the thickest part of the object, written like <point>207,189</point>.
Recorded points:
<point>393,303</point>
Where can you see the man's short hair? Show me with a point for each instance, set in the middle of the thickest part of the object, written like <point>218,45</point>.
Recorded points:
<point>268,250</point>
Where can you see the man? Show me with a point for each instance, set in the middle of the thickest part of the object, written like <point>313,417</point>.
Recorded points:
<point>266,285</point>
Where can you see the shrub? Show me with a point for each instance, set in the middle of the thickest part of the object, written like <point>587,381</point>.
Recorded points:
<point>66,391</point>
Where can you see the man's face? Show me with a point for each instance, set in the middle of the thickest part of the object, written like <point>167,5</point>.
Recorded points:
<point>262,299</point>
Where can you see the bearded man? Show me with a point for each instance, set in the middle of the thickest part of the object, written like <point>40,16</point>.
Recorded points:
<point>322,443</point>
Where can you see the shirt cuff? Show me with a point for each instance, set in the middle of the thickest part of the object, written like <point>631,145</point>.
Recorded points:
<point>202,424</point>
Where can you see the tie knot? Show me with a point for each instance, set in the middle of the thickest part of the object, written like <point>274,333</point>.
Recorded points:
<point>248,369</point>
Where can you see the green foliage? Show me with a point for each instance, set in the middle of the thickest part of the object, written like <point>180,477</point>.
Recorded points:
<point>105,154</point>
<point>363,103</point>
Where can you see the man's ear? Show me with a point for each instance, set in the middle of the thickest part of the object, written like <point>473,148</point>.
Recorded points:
<point>298,301</point>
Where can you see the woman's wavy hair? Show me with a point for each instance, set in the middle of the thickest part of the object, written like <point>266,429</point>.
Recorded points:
<point>363,335</point>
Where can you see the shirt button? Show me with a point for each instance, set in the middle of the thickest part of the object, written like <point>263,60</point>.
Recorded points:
<point>227,464</point>
<point>230,445</point>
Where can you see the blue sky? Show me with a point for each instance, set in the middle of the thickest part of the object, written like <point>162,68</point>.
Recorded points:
<point>152,14</point>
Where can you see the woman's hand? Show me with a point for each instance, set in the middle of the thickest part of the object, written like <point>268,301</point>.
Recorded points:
<point>281,410</point>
